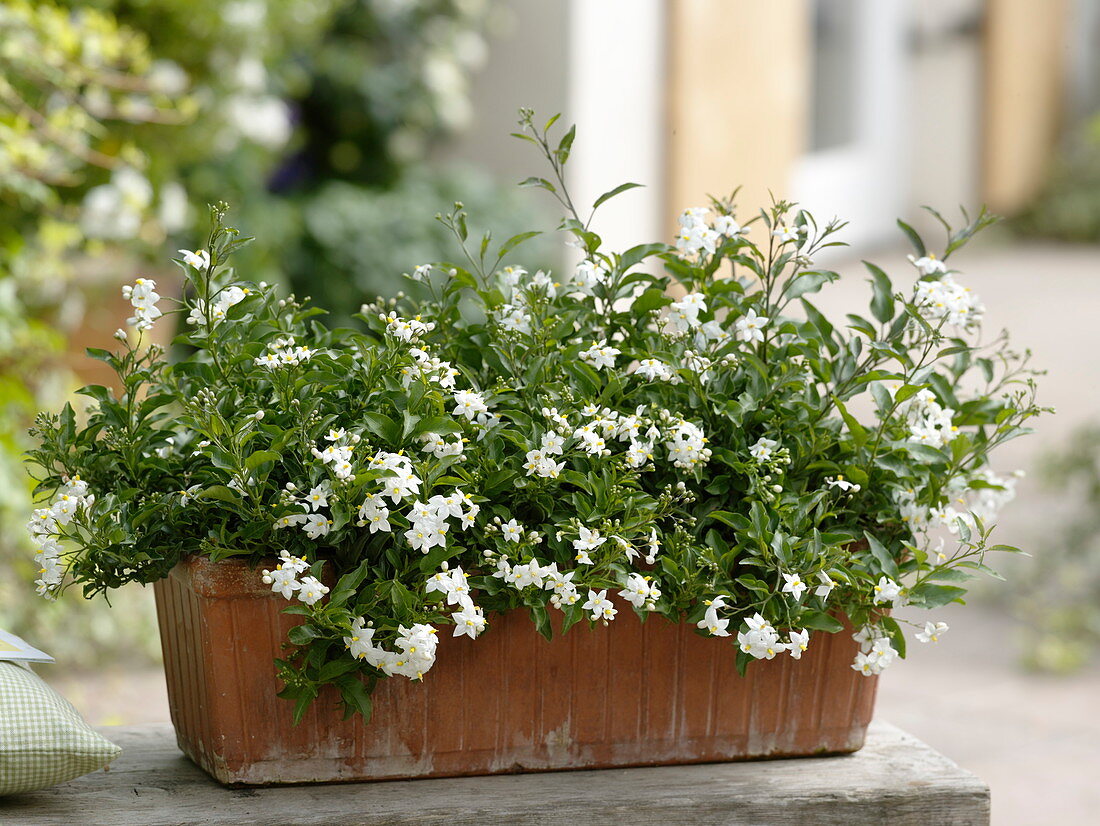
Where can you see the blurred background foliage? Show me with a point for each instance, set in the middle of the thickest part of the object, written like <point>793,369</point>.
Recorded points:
<point>318,120</point>
<point>1059,602</point>
<point>1068,209</point>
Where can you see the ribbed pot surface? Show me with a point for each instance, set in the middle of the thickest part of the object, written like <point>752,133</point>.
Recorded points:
<point>628,694</point>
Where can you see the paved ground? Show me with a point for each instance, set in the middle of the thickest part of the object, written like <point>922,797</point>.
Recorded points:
<point>1034,739</point>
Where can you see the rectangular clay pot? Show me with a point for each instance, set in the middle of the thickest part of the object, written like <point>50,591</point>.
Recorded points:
<point>628,694</point>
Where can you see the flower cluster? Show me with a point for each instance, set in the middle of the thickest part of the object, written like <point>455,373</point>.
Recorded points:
<point>46,528</point>
<point>284,579</point>
<point>940,299</point>
<point>143,297</point>
<point>672,429</point>
<point>282,352</point>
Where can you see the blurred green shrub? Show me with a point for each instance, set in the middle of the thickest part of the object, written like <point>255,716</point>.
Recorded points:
<point>1060,601</point>
<point>315,118</point>
<point>1068,209</point>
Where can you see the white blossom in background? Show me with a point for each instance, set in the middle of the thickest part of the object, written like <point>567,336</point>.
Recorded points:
<point>114,211</point>
<point>727,226</point>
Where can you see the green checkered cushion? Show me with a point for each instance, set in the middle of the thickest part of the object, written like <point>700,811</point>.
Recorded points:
<point>43,739</point>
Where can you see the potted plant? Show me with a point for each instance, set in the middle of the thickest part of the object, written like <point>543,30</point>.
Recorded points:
<point>387,518</point>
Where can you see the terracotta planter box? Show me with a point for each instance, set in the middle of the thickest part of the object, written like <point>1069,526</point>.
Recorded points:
<point>629,694</point>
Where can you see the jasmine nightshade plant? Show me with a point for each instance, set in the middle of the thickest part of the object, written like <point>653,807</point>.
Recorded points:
<point>667,429</point>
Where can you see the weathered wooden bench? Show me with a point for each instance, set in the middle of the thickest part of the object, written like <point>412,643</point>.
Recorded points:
<point>895,779</point>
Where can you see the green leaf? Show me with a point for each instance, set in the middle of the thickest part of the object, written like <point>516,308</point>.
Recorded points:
<point>882,296</point>
<point>884,558</point>
<point>219,492</point>
<point>259,457</point>
<point>808,282</point>
<point>651,299</point>
<point>914,238</point>
<point>541,618</point>
<point>896,635</point>
<point>302,634</point>
<point>514,242</point>
<point>820,621</point>
<point>930,595</point>
<point>607,196</point>
<point>858,431</point>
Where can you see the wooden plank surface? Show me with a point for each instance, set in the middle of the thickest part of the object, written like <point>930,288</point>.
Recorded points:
<point>895,779</point>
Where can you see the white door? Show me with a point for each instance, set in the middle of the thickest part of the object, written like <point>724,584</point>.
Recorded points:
<point>855,165</point>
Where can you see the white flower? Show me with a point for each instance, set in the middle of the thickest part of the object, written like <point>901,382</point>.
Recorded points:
<point>422,272</point>
<point>311,589</point>
<point>761,641</point>
<point>653,369</point>
<point>143,297</point>
<point>842,483</point>
<point>600,606</point>
<point>932,631</point>
<point>886,590</point>
<point>750,327</point>
<point>360,641</point>
<point>317,497</point>
<point>928,264</point>
<point>875,656</point>
<point>640,590</point>
<point>943,299</point>
<point>794,586</point>
<point>199,259</point>
<point>469,404</point>
<point>470,621</point>
<point>762,450</point>
<point>588,540</point>
<point>826,587</point>
<point>539,464</point>
<point>686,445</point>
<point>727,226</point>
<point>799,642</point>
<point>684,314</point>
<point>694,235</point>
<point>511,531</point>
<point>599,355</point>
<point>316,525</point>
<point>711,622</point>
<point>787,233</point>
